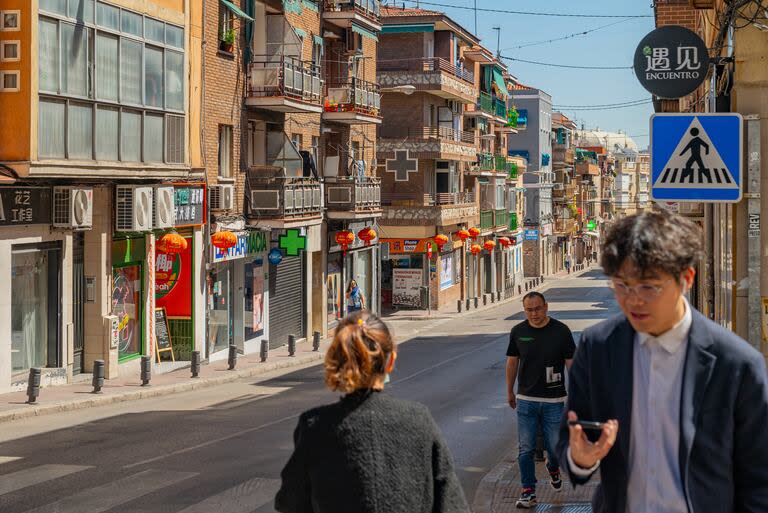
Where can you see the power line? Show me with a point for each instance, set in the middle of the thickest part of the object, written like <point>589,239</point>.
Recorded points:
<point>530,13</point>
<point>569,36</point>
<point>648,102</point>
<point>562,65</point>
<point>604,104</point>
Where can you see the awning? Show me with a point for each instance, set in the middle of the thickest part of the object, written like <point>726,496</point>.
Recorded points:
<point>364,32</point>
<point>300,33</point>
<point>318,40</point>
<point>395,29</point>
<point>498,79</point>
<point>236,10</point>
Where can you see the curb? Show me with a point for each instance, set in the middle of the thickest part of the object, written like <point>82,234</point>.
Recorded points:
<point>161,390</point>
<point>483,500</point>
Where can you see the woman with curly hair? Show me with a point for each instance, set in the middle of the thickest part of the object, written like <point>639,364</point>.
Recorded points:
<point>368,452</point>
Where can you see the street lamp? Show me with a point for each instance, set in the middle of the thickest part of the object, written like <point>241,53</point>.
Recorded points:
<point>404,89</point>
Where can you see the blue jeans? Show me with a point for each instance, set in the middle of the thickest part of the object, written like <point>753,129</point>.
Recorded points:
<point>529,415</point>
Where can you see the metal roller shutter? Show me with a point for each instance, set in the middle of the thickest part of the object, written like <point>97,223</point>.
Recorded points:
<point>286,301</point>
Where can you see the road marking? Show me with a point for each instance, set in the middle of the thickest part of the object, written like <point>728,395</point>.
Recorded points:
<point>214,441</point>
<point>8,459</point>
<point>243,498</point>
<point>36,475</point>
<point>110,495</point>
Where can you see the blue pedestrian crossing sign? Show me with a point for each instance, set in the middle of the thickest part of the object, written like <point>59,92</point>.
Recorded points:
<point>697,157</point>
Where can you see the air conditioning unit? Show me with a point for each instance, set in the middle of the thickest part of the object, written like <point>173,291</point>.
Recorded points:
<point>164,207</point>
<point>354,42</point>
<point>222,197</point>
<point>72,207</point>
<point>133,208</point>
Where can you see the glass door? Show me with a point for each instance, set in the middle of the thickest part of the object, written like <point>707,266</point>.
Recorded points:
<point>220,308</point>
<point>126,305</point>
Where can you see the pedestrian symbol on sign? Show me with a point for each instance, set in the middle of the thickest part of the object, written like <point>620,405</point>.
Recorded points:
<point>696,157</point>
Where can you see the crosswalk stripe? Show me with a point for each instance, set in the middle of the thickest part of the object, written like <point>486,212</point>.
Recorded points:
<point>243,498</point>
<point>36,475</point>
<point>110,495</point>
<point>8,459</point>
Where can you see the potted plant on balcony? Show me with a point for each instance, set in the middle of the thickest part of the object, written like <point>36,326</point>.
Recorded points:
<point>227,42</point>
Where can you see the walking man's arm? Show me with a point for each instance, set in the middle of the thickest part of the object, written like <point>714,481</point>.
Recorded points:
<point>512,364</point>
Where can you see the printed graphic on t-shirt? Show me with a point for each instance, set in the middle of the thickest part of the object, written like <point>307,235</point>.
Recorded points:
<point>553,378</point>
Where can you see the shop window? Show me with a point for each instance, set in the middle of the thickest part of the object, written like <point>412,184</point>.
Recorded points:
<point>34,308</point>
<point>335,290</point>
<point>253,316</point>
<point>225,151</point>
<point>220,308</point>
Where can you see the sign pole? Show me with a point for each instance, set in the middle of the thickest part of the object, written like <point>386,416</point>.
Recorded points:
<point>756,290</point>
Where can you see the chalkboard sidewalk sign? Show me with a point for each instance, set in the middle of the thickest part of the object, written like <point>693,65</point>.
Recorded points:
<point>162,334</point>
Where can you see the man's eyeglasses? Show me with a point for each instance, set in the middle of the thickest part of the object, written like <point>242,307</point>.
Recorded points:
<point>644,291</point>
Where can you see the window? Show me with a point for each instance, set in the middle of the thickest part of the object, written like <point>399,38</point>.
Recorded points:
<point>225,151</point>
<point>130,136</point>
<point>153,76</point>
<point>174,36</point>
<point>316,151</point>
<point>296,140</point>
<point>9,81</point>
<point>226,21</point>
<point>9,51</point>
<point>81,10</point>
<point>74,68</point>
<point>154,30</point>
<point>174,81</point>
<point>108,16</point>
<point>10,21</point>
<point>130,72</point>
<point>54,6</point>
<point>80,131</point>
<point>52,130</point>
<point>106,67</point>
<point>107,123</point>
<point>48,55</point>
<point>153,138</point>
<point>131,23</point>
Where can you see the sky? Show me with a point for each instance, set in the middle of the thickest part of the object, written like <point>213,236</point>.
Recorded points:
<point>610,46</point>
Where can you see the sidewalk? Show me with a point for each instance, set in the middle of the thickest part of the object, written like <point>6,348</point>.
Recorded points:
<point>501,488</point>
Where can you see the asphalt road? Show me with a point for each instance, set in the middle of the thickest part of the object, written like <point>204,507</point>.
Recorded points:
<point>222,449</point>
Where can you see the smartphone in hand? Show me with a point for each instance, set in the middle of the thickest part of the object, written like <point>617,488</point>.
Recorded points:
<point>587,424</point>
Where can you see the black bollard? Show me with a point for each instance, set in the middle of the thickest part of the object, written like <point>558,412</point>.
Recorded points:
<point>542,279</point>
<point>477,301</point>
<point>498,296</point>
<point>33,384</point>
<point>98,376</point>
<point>493,297</point>
<point>469,302</point>
<point>291,345</point>
<point>232,358</point>
<point>316,341</point>
<point>520,289</point>
<point>195,366</point>
<point>485,299</point>
<point>264,352</point>
<point>146,370</point>
<point>458,305</point>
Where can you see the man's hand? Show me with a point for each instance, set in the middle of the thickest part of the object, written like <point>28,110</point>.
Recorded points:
<point>512,400</point>
<point>584,453</point>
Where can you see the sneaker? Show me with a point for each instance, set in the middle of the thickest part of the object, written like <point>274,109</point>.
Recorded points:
<point>527,499</point>
<point>555,481</point>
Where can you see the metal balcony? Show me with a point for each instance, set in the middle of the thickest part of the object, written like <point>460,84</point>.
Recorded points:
<point>343,13</point>
<point>352,102</point>
<point>282,201</point>
<point>284,84</point>
<point>353,197</point>
<point>439,209</point>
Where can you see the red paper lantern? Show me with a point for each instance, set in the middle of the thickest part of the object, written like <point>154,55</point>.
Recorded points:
<point>489,245</point>
<point>344,238</point>
<point>441,240</point>
<point>475,249</point>
<point>224,240</point>
<point>505,242</point>
<point>172,243</point>
<point>429,250</point>
<point>474,233</point>
<point>367,234</point>
<point>463,235</point>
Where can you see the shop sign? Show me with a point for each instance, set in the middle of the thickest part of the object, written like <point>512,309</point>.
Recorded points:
<point>190,205</point>
<point>406,287</point>
<point>531,234</point>
<point>25,205</point>
<point>173,282</point>
<point>407,245</point>
<point>248,243</point>
<point>671,61</point>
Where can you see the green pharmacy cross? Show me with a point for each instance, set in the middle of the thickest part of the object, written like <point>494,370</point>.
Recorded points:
<point>292,242</point>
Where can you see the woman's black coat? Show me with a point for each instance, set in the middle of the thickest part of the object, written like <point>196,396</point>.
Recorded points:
<point>369,453</point>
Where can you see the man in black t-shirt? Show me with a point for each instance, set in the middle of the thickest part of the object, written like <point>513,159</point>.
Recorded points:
<point>539,350</point>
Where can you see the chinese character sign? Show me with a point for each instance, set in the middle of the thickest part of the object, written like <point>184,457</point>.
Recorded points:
<point>25,205</point>
<point>671,61</point>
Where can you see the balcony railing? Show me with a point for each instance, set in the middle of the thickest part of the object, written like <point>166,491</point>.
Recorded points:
<point>512,170</point>
<point>368,8</point>
<point>501,163</point>
<point>486,219</point>
<point>283,197</point>
<point>353,95</point>
<point>357,194</point>
<point>426,65</point>
<point>284,76</point>
<point>501,218</point>
<point>513,221</point>
<point>486,162</point>
<point>429,132</point>
<point>415,199</point>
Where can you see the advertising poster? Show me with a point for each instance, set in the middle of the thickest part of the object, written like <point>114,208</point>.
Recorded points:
<point>406,285</point>
<point>258,299</point>
<point>446,271</point>
<point>173,282</point>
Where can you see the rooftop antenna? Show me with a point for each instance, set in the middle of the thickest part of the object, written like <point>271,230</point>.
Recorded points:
<point>498,41</point>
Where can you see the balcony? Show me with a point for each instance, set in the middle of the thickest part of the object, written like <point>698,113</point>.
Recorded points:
<point>352,102</point>
<point>418,209</point>
<point>353,197</point>
<point>434,75</point>
<point>343,13</point>
<point>513,221</point>
<point>512,170</point>
<point>486,219</point>
<point>278,201</point>
<point>586,167</point>
<point>490,107</point>
<point>564,225</point>
<point>427,142</point>
<point>501,218</point>
<point>563,156</point>
<point>284,84</point>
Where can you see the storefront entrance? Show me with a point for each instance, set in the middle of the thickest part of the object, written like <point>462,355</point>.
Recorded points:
<point>287,300</point>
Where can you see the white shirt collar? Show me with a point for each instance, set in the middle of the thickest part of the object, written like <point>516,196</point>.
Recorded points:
<point>674,338</point>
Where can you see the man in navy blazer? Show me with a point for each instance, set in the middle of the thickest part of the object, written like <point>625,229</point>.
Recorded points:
<point>683,401</point>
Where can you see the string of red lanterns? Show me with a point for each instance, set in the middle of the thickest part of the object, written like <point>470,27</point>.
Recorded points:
<point>366,235</point>
<point>441,240</point>
<point>345,238</point>
<point>489,245</point>
<point>224,240</point>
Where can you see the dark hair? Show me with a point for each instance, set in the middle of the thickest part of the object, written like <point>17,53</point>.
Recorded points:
<point>652,242</point>
<point>534,294</point>
<point>359,352</point>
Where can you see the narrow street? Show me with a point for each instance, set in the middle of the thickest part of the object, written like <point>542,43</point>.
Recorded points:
<point>222,449</point>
